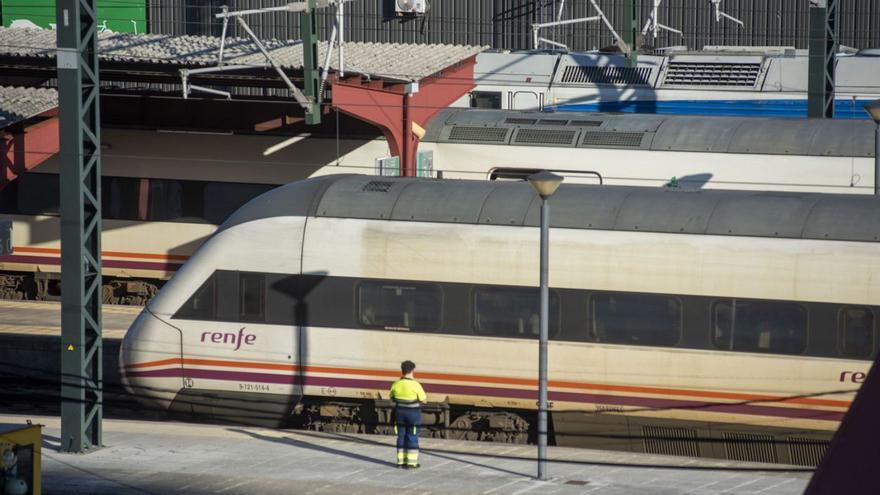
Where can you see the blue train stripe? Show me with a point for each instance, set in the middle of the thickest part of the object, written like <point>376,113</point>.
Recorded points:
<point>843,108</point>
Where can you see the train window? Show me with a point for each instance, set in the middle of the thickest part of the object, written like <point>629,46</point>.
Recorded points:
<point>512,312</point>
<point>39,194</point>
<point>758,326</point>
<point>251,297</point>
<point>166,200</point>
<point>486,99</point>
<point>202,305</point>
<point>636,319</point>
<point>122,198</point>
<point>9,198</point>
<point>856,332</point>
<point>222,199</point>
<point>399,306</point>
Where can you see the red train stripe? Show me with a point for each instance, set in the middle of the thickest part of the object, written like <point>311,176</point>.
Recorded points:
<point>500,381</point>
<point>645,402</point>
<point>115,254</point>
<point>131,265</point>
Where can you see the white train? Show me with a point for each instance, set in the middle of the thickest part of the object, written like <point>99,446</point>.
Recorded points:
<point>159,205</point>
<point>714,323</point>
<point>809,155</point>
<point>718,80</point>
<point>163,193</point>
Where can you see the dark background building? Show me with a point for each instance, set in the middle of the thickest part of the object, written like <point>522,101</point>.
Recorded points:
<point>506,24</point>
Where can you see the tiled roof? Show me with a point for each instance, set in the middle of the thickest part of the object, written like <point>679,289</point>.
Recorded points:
<point>383,60</point>
<point>17,104</point>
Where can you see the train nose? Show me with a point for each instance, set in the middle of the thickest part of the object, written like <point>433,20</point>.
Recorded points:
<point>150,361</point>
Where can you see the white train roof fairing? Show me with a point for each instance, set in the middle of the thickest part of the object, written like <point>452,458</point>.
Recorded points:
<point>634,209</point>
<point>741,135</point>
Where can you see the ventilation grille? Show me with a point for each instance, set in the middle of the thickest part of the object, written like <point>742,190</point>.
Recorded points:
<point>520,121</point>
<point>552,122</point>
<point>671,441</point>
<point>806,451</point>
<point>606,75</point>
<point>701,74</point>
<point>629,139</point>
<point>586,123</point>
<point>478,134</point>
<point>377,186</point>
<point>750,448</point>
<point>544,136</point>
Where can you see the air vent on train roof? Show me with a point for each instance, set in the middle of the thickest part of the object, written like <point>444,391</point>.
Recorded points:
<point>478,134</point>
<point>615,139</point>
<point>377,186</point>
<point>610,74</point>
<point>585,123</point>
<point>711,74</point>
<point>552,122</point>
<point>520,121</point>
<point>545,137</point>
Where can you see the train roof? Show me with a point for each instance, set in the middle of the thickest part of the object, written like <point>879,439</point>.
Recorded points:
<point>575,206</point>
<point>741,135</point>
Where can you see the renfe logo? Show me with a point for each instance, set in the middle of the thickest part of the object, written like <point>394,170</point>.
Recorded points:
<point>229,338</point>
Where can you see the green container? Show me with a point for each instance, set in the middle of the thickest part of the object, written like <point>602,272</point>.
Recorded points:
<point>119,16</point>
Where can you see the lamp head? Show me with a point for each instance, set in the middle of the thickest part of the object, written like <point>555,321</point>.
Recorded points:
<point>545,183</point>
<point>873,110</point>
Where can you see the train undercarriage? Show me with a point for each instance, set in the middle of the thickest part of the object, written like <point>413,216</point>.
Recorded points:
<point>601,429</point>
<point>46,286</point>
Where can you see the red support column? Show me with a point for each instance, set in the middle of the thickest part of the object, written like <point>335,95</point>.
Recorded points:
<point>24,150</point>
<point>394,111</point>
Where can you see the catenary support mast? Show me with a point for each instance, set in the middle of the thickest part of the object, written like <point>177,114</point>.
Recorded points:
<point>80,152</point>
<point>824,35</point>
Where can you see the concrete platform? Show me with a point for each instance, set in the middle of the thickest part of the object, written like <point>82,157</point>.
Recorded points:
<point>44,318</point>
<point>142,457</point>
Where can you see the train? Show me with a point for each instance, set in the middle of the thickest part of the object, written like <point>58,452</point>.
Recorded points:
<point>810,155</point>
<point>726,324</point>
<point>717,80</point>
<point>158,207</point>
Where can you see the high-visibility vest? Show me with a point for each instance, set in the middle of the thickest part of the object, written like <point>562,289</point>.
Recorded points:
<point>407,392</point>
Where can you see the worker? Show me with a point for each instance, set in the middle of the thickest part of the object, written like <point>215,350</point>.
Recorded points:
<point>408,397</point>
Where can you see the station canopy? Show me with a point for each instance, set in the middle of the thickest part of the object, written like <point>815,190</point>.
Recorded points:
<point>391,61</point>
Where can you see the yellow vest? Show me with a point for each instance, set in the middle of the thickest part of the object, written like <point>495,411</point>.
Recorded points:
<point>407,392</point>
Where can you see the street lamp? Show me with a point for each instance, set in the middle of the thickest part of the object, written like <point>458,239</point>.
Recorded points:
<point>873,110</point>
<point>545,184</point>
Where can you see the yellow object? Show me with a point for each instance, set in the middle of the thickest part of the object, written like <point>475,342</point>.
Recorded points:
<point>408,392</point>
<point>418,130</point>
<point>25,441</point>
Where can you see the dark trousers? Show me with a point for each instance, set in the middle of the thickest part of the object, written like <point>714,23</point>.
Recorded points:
<point>408,422</point>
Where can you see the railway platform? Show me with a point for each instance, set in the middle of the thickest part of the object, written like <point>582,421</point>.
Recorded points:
<point>145,457</point>
<point>44,318</point>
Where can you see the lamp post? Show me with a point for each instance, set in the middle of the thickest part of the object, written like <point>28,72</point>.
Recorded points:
<point>873,110</point>
<point>545,184</point>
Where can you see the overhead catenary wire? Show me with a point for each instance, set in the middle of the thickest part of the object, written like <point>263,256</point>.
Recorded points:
<point>860,24</point>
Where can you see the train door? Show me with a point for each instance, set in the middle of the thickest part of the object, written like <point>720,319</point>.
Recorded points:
<point>525,100</point>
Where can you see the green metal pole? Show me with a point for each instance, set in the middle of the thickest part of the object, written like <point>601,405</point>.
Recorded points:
<point>823,45</point>
<point>80,153</point>
<point>311,74</point>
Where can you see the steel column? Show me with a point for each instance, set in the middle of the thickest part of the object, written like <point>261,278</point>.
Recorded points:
<point>631,31</point>
<point>80,153</point>
<point>311,71</point>
<point>823,43</point>
<point>543,337</point>
<point>877,159</point>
